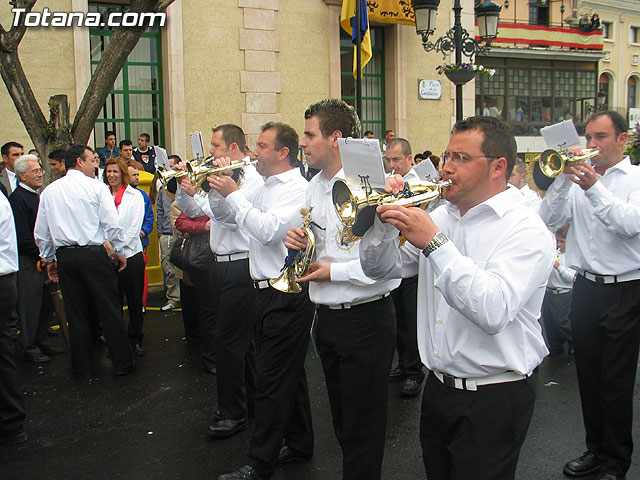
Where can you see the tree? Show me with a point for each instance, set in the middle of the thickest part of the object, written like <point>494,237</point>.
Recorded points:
<point>58,132</point>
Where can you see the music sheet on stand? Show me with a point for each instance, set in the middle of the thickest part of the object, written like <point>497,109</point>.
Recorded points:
<point>361,157</point>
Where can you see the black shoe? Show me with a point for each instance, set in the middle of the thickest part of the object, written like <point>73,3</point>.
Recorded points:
<point>51,332</point>
<point>126,370</point>
<point>227,427</point>
<point>211,370</point>
<point>289,455</point>
<point>583,465</point>
<point>13,439</point>
<point>246,472</point>
<point>40,358</point>
<point>611,476</point>
<point>51,350</point>
<point>138,350</point>
<point>100,341</point>
<point>411,387</point>
<point>396,375</point>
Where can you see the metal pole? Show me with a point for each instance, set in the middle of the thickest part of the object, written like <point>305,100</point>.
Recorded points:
<point>457,30</point>
<point>358,61</point>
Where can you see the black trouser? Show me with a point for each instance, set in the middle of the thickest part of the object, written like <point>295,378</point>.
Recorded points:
<point>131,285</point>
<point>34,307</point>
<point>356,349</point>
<point>207,315</point>
<point>234,346</point>
<point>190,307</point>
<point>555,317</point>
<point>282,407</point>
<point>606,331</point>
<point>86,274</point>
<point>12,413</point>
<point>405,300</point>
<point>474,434</point>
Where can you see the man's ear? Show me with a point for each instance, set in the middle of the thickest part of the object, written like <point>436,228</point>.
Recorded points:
<point>499,167</point>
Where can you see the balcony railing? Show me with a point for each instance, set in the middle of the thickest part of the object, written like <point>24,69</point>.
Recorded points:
<point>520,35</point>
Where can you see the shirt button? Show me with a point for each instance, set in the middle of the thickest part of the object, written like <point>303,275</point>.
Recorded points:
<point>437,355</point>
<point>440,321</point>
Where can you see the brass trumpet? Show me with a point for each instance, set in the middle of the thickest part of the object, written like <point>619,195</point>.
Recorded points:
<point>357,214</point>
<point>550,163</point>
<point>198,171</point>
<point>296,265</point>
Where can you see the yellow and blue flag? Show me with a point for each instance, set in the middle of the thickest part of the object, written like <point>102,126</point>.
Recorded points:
<point>348,23</point>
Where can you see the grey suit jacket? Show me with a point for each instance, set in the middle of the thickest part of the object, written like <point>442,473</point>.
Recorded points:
<point>4,179</point>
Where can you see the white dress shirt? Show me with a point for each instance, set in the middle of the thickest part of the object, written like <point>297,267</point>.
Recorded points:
<point>8,239</point>
<point>348,282</point>
<point>131,215</point>
<point>532,198</point>
<point>604,237</point>
<point>13,179</point>
<point>76,210</point>
<point>224,238</point>
<point>265,215</point>
<point>480,294</point>
<point>562,276</point>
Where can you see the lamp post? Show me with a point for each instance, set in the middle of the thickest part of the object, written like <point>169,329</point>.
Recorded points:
<point>457,39</point>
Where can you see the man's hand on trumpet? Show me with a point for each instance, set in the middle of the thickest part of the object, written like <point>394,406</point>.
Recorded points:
<point>224,184</point>
<point>319,271</point>
<point>414,223</point>
<point>187,187</point>
<point>583,174</point>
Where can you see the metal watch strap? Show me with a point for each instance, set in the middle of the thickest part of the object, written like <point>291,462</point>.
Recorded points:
<point>438,240</point>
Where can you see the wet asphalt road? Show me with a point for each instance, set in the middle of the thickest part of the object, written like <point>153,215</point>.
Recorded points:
<point>152,424</point>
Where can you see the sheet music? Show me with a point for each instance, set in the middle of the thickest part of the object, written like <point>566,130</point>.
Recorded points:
<point>426,170</point>
<point>561,136</point>
<point>362,157</point>
<point>197,147</point>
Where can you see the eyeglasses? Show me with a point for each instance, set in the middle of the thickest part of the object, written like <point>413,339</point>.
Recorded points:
<point>458,158</point>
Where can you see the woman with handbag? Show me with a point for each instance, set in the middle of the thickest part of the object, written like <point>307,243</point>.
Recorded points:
<point>130,206</point>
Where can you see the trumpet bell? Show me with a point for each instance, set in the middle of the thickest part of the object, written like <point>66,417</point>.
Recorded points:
<point>344,203</point>
<point>543,169</point>
<point>286,282</point>
<point>551,163</point>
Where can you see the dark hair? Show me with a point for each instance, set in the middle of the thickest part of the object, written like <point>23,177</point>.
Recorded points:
<point>124,142</point>
<point>619,123</point>
<point>368,132</point>
<point>5,148</point>
<point>404,145</point>
<point>335,114</point>
<point>176,158</point>
<point>124,170</point>
<point>562,231</point>
<point>498,138</point>
<point>57,154</point>
<point>73,154</point>
<point>388,131</point>
<point>287,137</point>
<point>435,159</point>
<point>146,137</point>
<point>418,156</point>
<point>109,133</point>
<point>232,134</point>
<point>520,166</point>
<point>427,153</point>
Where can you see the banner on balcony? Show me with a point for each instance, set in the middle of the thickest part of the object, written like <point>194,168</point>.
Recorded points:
<point>391,11</point>
<point>533,35</point>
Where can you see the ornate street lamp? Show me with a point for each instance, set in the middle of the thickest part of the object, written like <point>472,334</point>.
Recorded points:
<point>457,40</point>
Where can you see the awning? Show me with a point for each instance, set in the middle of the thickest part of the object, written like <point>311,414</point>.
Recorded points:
<point>526,35</point>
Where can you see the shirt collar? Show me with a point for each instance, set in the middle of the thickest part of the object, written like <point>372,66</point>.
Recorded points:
<point>623,165</point>
<point>285,177</point>
<point>499,203</point>
<point>28,188</point>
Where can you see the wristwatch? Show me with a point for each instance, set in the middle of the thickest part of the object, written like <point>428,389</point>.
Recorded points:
<point>439,240</point>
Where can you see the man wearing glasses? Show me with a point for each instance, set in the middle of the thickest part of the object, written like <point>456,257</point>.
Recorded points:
<point>482,260</point>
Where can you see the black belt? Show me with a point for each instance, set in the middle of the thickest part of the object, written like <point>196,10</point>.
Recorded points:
<point>85,247</point>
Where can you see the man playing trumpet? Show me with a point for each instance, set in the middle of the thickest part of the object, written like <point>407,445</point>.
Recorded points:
<point>482,260</point>
<point>602,202</point>
<point>356,320</point>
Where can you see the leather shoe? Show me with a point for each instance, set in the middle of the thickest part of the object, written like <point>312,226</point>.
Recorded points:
<point>39,358</point>
<point>126,370</point>
<point>52,350</point>
<point>227,427</point>
<point>246,472</point>
<point>289,455</point>
<point>611,476</point>
<point>583,465</point>
<point>396,375</point>
<point>411,387</point>
<point>13,439</point>
<point>211,370</point>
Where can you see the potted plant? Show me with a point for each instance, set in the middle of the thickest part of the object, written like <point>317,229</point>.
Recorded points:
<point>633,146</point>
<point>464,72</point>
